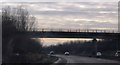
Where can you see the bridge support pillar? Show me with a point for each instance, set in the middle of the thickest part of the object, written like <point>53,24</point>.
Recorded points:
<point>95,46</point>
<point>118,43</point>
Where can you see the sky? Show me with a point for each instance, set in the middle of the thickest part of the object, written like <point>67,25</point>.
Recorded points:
<point>55,41</point>
<point>59,0</point>
<point>77,14</point>
<point>73,15</point>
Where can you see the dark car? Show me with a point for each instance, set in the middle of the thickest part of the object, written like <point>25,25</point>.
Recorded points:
<point>51,52</point>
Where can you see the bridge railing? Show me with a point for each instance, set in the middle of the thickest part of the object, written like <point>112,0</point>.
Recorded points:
<point>76,30</point>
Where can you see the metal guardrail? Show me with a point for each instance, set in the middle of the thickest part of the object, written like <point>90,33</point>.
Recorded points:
<point>75,30</point>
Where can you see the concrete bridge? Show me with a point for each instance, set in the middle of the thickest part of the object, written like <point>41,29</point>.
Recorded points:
<point>76,33</point>
<point>62,33</point>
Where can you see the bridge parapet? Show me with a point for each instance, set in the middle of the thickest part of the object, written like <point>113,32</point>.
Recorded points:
<point>76,30</point>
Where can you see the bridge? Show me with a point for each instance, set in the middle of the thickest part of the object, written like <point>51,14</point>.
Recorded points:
<point>73,33</point>
<point>68,33</point>
<point>76,33</point>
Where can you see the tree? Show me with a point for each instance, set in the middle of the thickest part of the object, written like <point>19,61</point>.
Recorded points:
<point>15,20</point>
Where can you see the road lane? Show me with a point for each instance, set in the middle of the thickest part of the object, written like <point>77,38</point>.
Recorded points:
<point>78,59</point>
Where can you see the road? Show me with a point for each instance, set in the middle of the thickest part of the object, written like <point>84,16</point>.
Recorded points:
<point>88,60</point>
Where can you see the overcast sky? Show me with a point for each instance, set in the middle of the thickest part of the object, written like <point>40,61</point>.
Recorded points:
<point>59,0</point>
<point>92,14</point>
<point>74,15</point>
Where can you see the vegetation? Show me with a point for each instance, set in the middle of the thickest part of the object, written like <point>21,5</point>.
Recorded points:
<point>22,49</point>
<point>19,48</point>
<point>107,47</point>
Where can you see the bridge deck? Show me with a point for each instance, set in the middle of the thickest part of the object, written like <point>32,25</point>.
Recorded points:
<point>67,33</point>
<point>53,34</point>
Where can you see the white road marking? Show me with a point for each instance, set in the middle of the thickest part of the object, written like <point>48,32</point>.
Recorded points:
<point>58,61</point>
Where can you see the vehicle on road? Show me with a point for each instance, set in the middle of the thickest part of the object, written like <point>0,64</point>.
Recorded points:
<point>99,54</point>
<point>67,53</point>
<point>117,54</point>
<point>51,53</point>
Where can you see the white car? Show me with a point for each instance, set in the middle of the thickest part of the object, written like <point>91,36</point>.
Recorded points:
<point>99,54</point>
<point>67,53</point>
<point>117,54</point>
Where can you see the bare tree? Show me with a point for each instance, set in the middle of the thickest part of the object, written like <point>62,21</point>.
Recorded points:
<point>17,19</point>
<point>25,20</point>
<point>14,20</point>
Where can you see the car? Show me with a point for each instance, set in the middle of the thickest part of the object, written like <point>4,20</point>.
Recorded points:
<point>117,54</point>
<point>67,53</point>
<point>51,53</point>
<point>99,54</point>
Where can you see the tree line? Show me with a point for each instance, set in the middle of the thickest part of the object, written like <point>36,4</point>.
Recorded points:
<point>106,47</point>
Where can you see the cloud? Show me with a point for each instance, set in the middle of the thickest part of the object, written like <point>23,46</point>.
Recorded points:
<point>59,1</point>
<point>73,14</point>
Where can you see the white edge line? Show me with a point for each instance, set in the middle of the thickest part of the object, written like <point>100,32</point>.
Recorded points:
<point>57,61</point>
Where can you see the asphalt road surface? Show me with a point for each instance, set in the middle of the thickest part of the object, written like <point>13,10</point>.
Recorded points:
<point>87,60</point>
